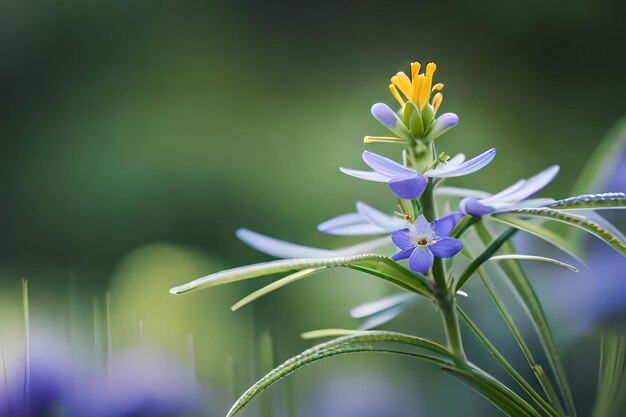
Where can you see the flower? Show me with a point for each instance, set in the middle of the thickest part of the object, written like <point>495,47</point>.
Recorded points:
<point>416,118</point>
<point>407,183</point>
<point>365,221</point>
<point>417,89</point>
<point>421,241</point>
<point>510,196</point>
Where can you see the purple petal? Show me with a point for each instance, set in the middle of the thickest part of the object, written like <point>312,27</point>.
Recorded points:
<point>352,224</point>
<point>402,239</point>
<point>409,188</point>
<point>386,166</point>
<point>446,247</point>
<point>421,223</point>
<point>385,115</point>
<point>421,260</point>
<point>402,254</point>
<point>533,184</point>
<point>467,167</point>
<point>444,225</point>
<point>442,123</point>
<point>280,248</point>
<point>378,218</point>
<point>474,207</point>
<point>365,175</point>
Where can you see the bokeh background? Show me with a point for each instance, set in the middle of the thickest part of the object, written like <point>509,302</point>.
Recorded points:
<point>135,137</point>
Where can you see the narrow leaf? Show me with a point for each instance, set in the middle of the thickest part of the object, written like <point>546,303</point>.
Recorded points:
<point>541,232</point>
<point>530,302</point>
<point>592,201</point>
<point>577,221</point>
<point>289,279</point>
<point>597,171</point>
<point>533,258</point>
<point>343,345</point>
<point>374,264</point>
<point>491,248</point>
<point>612,373</point>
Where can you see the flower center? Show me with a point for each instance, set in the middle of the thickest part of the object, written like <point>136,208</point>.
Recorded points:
<point>422,241</point>
<point>418,88</point>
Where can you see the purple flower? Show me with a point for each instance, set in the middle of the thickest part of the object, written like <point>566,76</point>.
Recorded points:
<point>422,241</point>
<point>511,196</point>
<point>365,221</point>
<point>407,183</point>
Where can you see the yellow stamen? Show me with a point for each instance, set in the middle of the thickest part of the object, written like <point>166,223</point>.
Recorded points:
<point>425,90</point>
<point>396,95</point>
<point>415,70</point>
<point>382,139</point>
<point>419,86</point>
<point>438,87</point>
<point>437,101</point>
<point>403,83</point>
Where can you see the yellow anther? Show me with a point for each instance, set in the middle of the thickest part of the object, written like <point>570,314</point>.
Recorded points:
<point>425,90</point>
<point>419,86</point>
<point>396,95</point>
<point>415,69</point>
<point>438,87</point>
<point>403,83</point>
<point>437,101</point>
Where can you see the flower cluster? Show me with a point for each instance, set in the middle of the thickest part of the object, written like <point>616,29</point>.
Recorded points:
<point>428,242</point>
<point>415,231</point>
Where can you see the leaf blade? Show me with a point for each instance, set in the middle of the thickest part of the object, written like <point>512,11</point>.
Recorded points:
<point>374,264</point>
<point>575,220</point>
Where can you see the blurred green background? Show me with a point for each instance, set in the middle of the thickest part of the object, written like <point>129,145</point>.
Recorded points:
<point>137,136</point>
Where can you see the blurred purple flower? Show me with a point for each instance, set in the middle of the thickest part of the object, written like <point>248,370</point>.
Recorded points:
<point>137,384</point>
<point>422,241</point>
<point>48,386</point>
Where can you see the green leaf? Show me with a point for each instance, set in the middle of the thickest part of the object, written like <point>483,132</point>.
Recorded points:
<point>491,248</point>
<point>374,264</point>
<point>510,369</point>
<point>612,373</point>
<point>575,220</point>
<point>501,396</point>
<point>530,302</point>
<point>592,201</point>
<point>534,258</point>
<point>596,172</point>
<point>540,232</point>
<point>363,342</point>
<point>289,279</point>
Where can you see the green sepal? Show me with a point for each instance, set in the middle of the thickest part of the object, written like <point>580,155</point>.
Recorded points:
<point>428,118</point>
